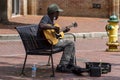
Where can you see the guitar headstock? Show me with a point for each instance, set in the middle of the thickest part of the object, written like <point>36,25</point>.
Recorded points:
<point>74,24</point>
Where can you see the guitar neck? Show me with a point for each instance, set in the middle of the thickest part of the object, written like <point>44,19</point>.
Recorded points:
<point>65,27</point>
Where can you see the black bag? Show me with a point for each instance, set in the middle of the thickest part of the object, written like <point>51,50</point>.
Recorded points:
<point>95,71</point>
<point>105,67</point>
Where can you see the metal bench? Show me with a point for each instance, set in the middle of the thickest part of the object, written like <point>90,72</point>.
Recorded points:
<point>28,35</point>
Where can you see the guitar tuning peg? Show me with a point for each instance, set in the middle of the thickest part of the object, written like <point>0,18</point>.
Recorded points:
<point>75,24</point>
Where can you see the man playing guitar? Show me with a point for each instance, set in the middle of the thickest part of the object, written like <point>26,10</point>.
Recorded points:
<point>47,23</point>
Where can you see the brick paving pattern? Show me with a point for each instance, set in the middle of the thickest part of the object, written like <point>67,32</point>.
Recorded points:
<point>12,56</point>
<point>12,52</point>
<point>85,24</point>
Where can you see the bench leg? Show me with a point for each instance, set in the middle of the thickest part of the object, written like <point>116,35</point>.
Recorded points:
<point>48,64</point>
<point>53,75</point>
<point>75,61</point>
<point>22,72</point>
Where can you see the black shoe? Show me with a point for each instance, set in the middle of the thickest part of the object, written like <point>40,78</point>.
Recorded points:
<point>64,69</point>
<point>78,70</point>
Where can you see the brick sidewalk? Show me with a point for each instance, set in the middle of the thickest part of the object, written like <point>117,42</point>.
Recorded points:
<point>12,55</point>
<point>85,24</point>
<point>12,52</point>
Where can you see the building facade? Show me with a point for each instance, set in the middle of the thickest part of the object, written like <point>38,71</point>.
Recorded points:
<point>81,8</point>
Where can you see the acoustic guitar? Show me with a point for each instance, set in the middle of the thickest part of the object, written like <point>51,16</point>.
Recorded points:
<point>54,36</point>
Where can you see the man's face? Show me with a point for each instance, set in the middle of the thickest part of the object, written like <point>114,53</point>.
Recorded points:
<point>56,15</point>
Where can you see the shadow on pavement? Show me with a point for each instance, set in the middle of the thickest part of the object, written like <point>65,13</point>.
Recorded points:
<point>12,72</point>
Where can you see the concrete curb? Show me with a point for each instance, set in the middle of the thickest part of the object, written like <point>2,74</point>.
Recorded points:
<point>91,35</point>
<point>9,37</point>
<point>78,35</point>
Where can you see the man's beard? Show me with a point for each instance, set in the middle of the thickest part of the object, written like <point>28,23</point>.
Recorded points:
<point>55,18</point>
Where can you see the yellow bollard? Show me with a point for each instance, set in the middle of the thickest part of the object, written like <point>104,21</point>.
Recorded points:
<point>112,31</point>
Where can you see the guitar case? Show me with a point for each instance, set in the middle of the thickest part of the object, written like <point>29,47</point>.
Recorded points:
<point>105,67</point>
<point>95,69</point>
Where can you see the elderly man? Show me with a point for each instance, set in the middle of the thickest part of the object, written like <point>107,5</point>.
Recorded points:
<point>47,23</point>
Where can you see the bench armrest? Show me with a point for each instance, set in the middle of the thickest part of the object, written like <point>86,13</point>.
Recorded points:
<point>71,34</point>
